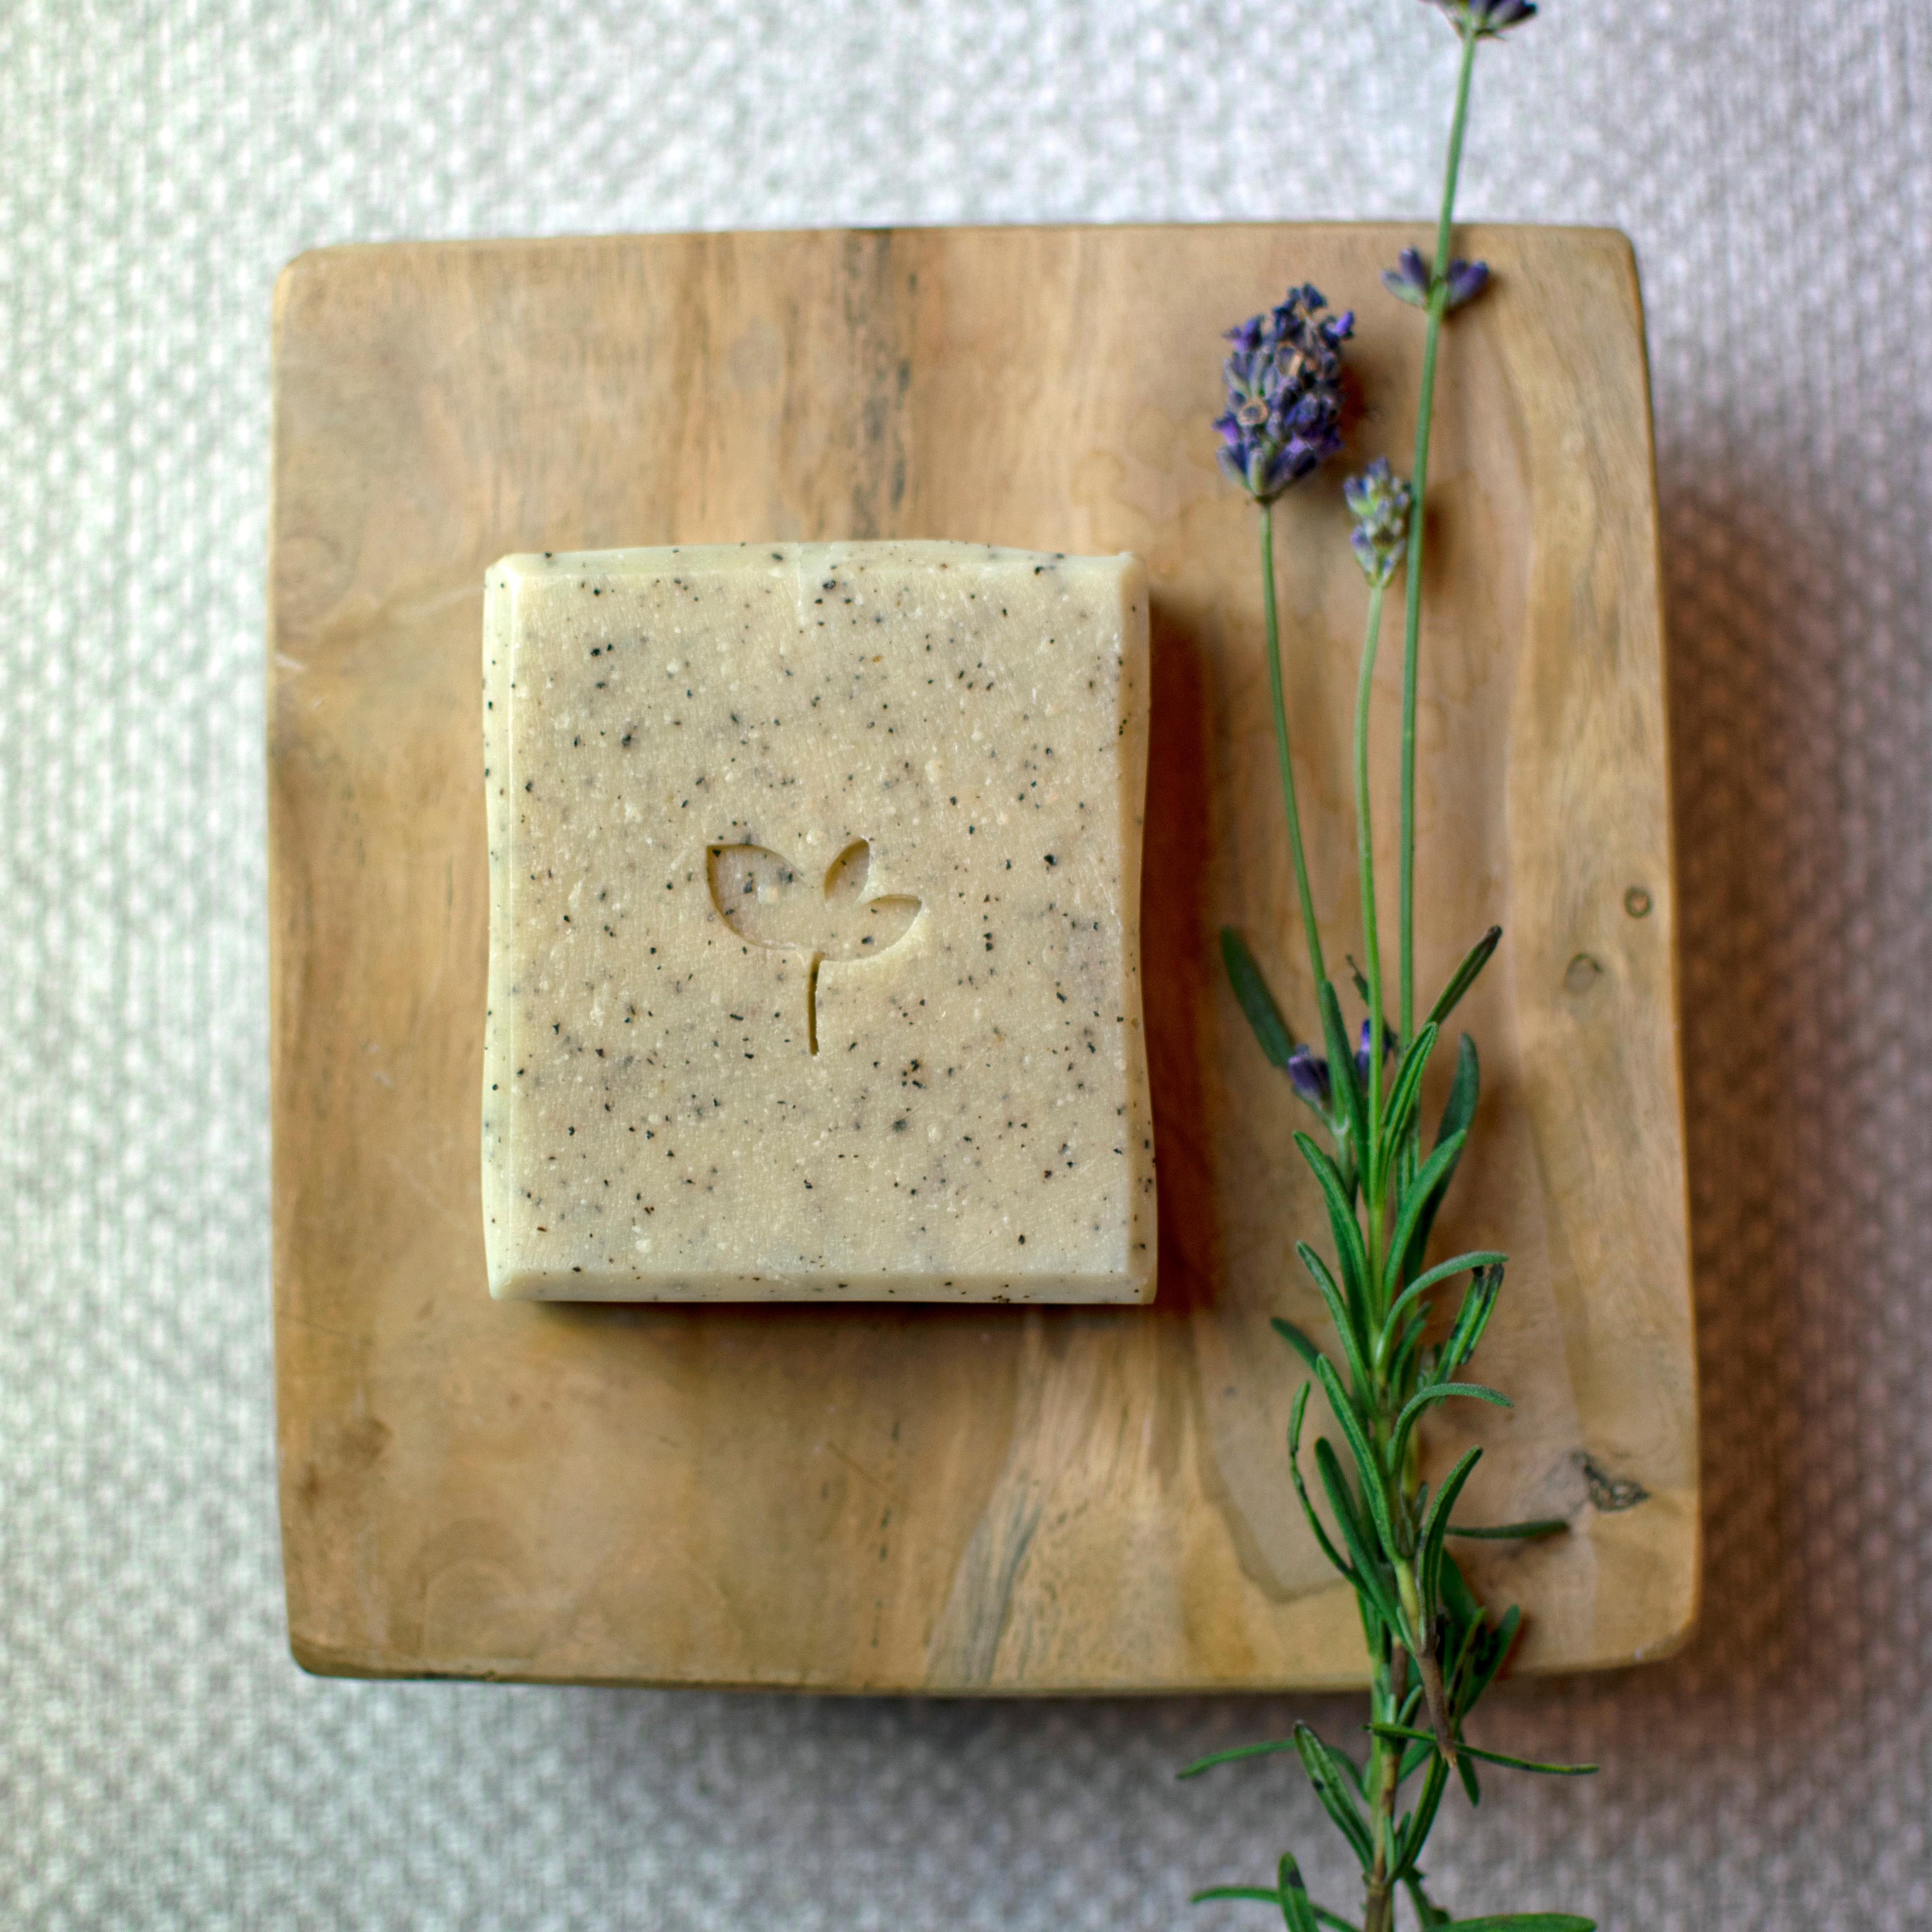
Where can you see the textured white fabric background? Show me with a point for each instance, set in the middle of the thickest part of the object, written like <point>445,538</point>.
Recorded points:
<point>162,1763</point>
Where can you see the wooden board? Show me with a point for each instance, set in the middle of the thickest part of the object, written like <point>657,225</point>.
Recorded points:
<point>945,1499</point>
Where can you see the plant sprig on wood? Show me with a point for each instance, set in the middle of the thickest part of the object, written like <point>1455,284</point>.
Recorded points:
<point>1433,1649</point>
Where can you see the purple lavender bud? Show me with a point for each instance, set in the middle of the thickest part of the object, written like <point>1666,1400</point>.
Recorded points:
<point>1283,374</point>
<point>1389,1046</point>
<point>1466,281</point>
<point>1310,1077</point>
<point>1486,19</point>
<point>1408,280</point>
<point>1380,502</point>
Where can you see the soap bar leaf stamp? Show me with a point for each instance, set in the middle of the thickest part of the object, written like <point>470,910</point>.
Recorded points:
<point>769,902</point>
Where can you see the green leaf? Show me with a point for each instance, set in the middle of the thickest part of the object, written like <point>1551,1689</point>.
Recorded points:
<point>1342,1070</point>
<point>1415,1833</point>
<point>1405,1091</point>
<point>1315,1522</point>
<point>1463,1752</point>
<point>1512,1532</point>
<point>1464,977</point>
<point>1466,1635</point>
<point>1500,1641</point>
<point>1370,1576</point>
<point>1529,1764</point>
<point>1296,1340</point>
<point>1297,1911</point>
<point>1368,1465</point>
<point>1337,1799</point>
<point>1436,1172</point>
<point>1261,1896</point>
<point>1323,1916</point>
<point>1441,1392</point>
<point>1458,1113</point>
<point>1417,1755</point>
<point>1427,1398</point>
<point>1398,1364</point>
<point>1429,1566</point>
<point>1472,1318</point>
<point>1521,1922</point>
<point>1457,1597</point>
<point>1346,1319</point>
<point>1464,1661</point>
<point>1268,1749</point>
<point>1368,1561</point>
<point>1251,990</point>
<point>1349,1251</point>
<point>1408,1158</point>
<point>1375,1626</point>
<point>1465,1749</point>
<point>1443,1271</point>
<point>1346,1769</point>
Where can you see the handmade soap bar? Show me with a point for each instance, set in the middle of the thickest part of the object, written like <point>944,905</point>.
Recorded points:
<point>814,878</point>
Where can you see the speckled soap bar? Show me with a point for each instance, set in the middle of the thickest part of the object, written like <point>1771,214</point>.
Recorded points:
<point>815,882</point>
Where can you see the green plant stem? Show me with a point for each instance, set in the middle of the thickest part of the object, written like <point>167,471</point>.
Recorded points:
<point>1438,300</point>
<point>1282,746</point>
<point>1371,951</point>
<point>1379,1892</point>
<point>1378,1914</point>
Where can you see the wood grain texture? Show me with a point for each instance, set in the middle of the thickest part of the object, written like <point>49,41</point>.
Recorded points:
<point>961,1500</point>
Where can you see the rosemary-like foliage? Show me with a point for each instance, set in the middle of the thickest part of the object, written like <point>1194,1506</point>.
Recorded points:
<point>1433,1649</point>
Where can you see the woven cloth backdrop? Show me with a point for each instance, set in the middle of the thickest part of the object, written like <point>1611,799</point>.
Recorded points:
<point>162,1762</point>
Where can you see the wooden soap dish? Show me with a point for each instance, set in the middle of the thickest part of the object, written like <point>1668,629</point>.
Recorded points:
<point>945,1499</point>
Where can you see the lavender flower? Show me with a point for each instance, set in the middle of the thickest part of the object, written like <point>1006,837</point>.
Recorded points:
<point>1466,281</point>
<point>1486,19</point>
<point>1284,379</point>
<point>1380,502</point>
<point>1390,1043</point>
<point>1409,280</point>
<point>1309,1077</point>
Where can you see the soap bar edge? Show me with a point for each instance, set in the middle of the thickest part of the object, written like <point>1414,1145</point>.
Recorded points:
<point>1136,710</point>
<point>500,588</point>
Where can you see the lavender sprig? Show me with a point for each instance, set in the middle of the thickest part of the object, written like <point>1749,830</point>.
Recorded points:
<point>1283,374</point>
<point>1380,502</point>
<point>1284,380</point>
<point>1432,1648</point>
<point>1450,283</point>
<point>1485,19</point>
<point>1410,280</point>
